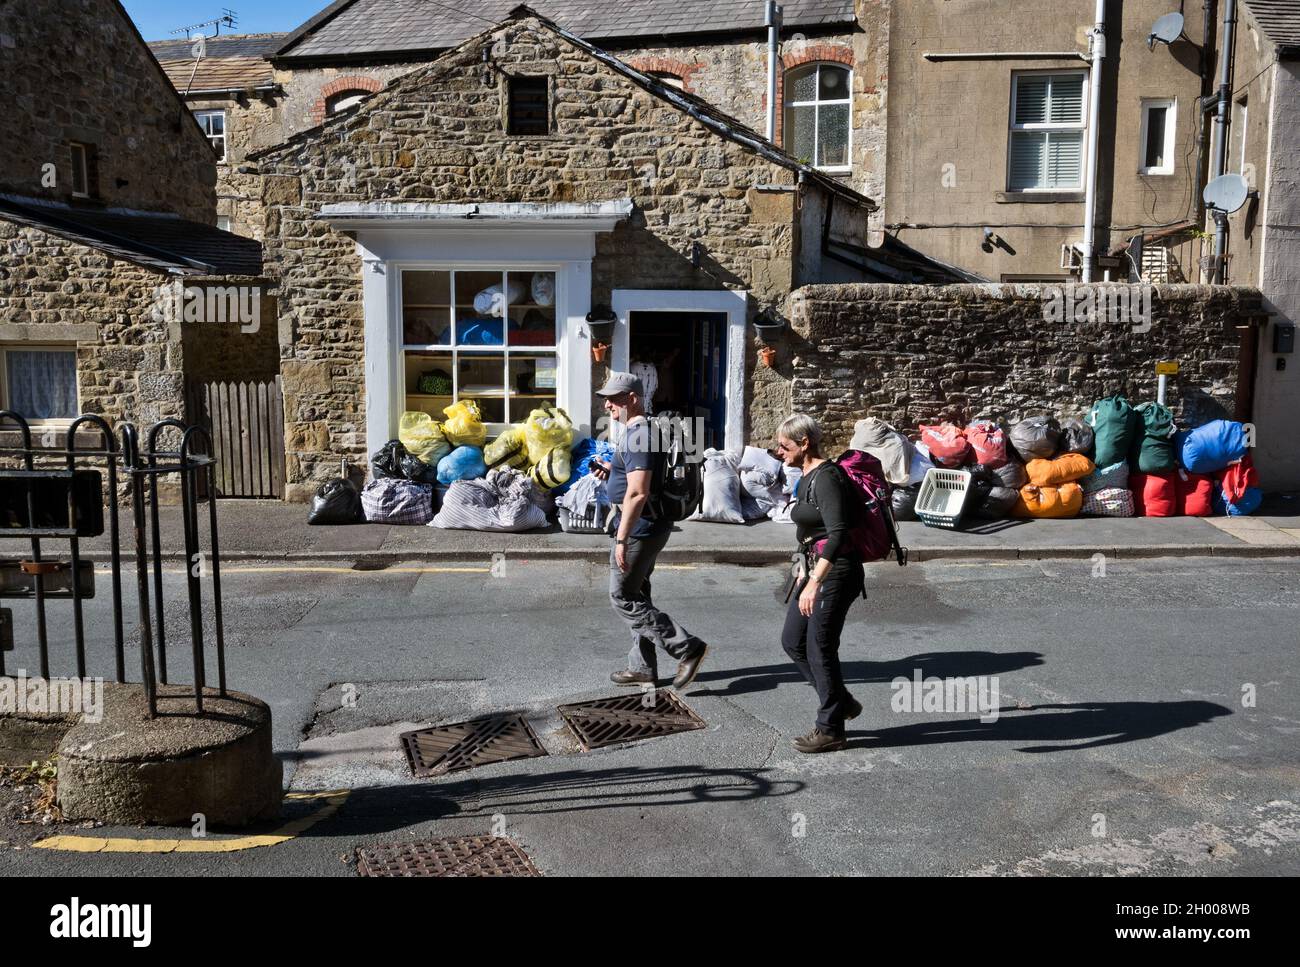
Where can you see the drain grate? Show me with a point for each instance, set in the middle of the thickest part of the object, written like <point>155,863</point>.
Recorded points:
<point>465,745</point>
<point>463,856</point>
<point>609,721</point>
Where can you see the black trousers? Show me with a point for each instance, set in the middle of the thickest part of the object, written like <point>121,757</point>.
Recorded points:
<point>813,643</point>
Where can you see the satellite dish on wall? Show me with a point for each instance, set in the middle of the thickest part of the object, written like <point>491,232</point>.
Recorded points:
<point>1226,193</point>
<point>1166,30</point>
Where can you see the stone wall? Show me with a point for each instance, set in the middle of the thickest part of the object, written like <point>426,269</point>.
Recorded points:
<point>129,367</point>
<point>76,70</point>
<point>437,136</point>
<point>251,124</point>
<point>913,354</point>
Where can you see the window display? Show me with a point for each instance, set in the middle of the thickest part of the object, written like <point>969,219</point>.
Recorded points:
<point>489,336</point>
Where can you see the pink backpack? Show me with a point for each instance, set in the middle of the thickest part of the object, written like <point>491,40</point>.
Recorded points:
<point>872,532</point>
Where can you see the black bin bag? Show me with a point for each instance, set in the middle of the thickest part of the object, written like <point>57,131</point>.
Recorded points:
<point>337,502</point>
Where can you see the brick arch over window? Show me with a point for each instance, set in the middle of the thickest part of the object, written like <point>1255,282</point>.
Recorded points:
<point>353,82</point>
<point>668,65</point>
<point>812,54</point>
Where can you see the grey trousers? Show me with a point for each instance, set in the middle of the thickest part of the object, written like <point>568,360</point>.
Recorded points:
<point>629,593</point>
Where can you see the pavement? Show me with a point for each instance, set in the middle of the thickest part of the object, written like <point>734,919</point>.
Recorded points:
<point>1147,721</point>
<point>272,530</point>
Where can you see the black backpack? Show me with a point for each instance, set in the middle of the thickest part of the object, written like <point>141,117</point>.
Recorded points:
<point>677,482</point>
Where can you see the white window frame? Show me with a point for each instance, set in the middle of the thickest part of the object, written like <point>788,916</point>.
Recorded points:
<point>6,402</point>
<point>1244,104</point>
<point>80,165</point>
<point>457,351</point>
<point>203,115</point>
<point>226,219</point>
<point>817,105</point>
<point>341,101</point>
<point>1048,126</point>
<point>1170,106</point>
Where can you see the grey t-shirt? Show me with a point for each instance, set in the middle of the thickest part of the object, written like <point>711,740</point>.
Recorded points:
<point>634,452</point>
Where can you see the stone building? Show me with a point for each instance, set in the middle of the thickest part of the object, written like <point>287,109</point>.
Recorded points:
<point>1263,239</point>
<point>229,85</point>
<point>107,203</point>
<point>831,84</point>
<point>458,233</point>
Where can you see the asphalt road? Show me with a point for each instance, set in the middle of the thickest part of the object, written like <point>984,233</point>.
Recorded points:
<point>1125,741</point>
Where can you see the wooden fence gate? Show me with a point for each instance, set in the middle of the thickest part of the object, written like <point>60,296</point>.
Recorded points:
<point>246,421</point>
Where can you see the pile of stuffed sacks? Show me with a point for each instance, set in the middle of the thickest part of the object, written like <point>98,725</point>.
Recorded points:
<point>745,485</point>
<point>447,475</point>
<point>1120,461</point>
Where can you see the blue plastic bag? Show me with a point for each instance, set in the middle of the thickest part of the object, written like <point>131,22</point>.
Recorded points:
<point>463,463</point>
<point>583,454</point>
<point>1247,505</point>
<point>1210,448</point>
<point>480,332</point>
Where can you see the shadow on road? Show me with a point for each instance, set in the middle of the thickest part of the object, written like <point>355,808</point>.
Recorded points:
<point>958,664</point>
<point>384,809</point>
<point>1089,724</point>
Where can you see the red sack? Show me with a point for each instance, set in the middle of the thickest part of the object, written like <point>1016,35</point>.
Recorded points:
<point>947,444</point>
<point>989,441</point>
<point>1236,478</point>
<point>1195,494</point>
<point>1154,494</point>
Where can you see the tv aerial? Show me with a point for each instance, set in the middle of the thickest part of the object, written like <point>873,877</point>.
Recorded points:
<point>1166,30</point>
<point>1226,193</point>
<point>228,18</point>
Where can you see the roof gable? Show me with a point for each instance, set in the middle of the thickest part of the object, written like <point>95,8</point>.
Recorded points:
<point>1279,20</point>
<point>701,111</point>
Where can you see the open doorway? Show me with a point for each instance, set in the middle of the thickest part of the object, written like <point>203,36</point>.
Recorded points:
<point>681,356</point>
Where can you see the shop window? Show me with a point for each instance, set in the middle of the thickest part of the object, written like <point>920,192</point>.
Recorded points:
<point>39,382</point>
<point>483,335</point>
<point>818,115</point>
<point>529,112</point>
<point>1048,120</point>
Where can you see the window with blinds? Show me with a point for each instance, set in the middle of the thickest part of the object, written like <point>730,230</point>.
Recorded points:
<point>1048,121</point>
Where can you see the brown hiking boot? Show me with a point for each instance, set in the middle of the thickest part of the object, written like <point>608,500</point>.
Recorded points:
<point>688,668</point>
<point>632,678</point>
<point>819,741</point>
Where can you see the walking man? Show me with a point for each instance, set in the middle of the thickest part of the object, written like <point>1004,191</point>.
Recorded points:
<point>639,535</point>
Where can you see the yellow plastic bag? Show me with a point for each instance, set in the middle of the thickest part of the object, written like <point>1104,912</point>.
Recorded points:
<point>464,426</point>
<point>507,450</point>
<point>547,429</point>
<point>423,438</point>
<point>554,469</point>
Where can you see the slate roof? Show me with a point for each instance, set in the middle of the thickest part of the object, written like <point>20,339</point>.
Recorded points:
<point>356,28</point>
<point>234,62</point>
<point>158,241</point>
<point>1280,21</point>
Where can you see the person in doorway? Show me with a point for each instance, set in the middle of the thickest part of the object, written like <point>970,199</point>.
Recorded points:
<point>639,535</point>
<point>828,579</point>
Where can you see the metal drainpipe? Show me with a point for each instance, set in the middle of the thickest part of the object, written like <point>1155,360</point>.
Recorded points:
<point>774,12</point>
<point>1096,56</point>
<point>1222,120</point>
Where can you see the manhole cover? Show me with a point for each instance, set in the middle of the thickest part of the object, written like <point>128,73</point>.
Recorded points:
<point>609,721</point>
<point>464,856</point>
<point>464,745</point>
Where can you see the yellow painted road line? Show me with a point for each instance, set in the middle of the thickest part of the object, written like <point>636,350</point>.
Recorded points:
<point>227,569</point>
<point>99,844</point>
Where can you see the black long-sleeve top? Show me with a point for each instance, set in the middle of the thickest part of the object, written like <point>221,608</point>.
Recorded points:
<point>821,513</point>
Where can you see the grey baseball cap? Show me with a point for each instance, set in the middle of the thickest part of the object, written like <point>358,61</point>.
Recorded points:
<point>622,383</point>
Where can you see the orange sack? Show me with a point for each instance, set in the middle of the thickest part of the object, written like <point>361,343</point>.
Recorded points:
<point>1049,502</point>
<point>1066,468</point>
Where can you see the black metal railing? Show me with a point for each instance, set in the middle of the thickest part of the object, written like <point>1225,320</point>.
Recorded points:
<point>59,495</point>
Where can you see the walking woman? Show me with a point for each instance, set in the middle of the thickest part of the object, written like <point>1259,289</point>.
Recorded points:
<point>832,581</point>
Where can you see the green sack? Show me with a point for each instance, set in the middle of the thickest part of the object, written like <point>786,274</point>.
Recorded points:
<point>435,383</point>
<point>1153,448</point>
<point>1115,425</point>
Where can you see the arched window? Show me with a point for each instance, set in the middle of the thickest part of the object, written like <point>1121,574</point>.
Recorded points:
<point>669,78</point>
<point>818,115</point>
<point>344,100</point>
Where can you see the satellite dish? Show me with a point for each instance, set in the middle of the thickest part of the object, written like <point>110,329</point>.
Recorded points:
<point>1227,193</point>
<point>1166,30</point>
